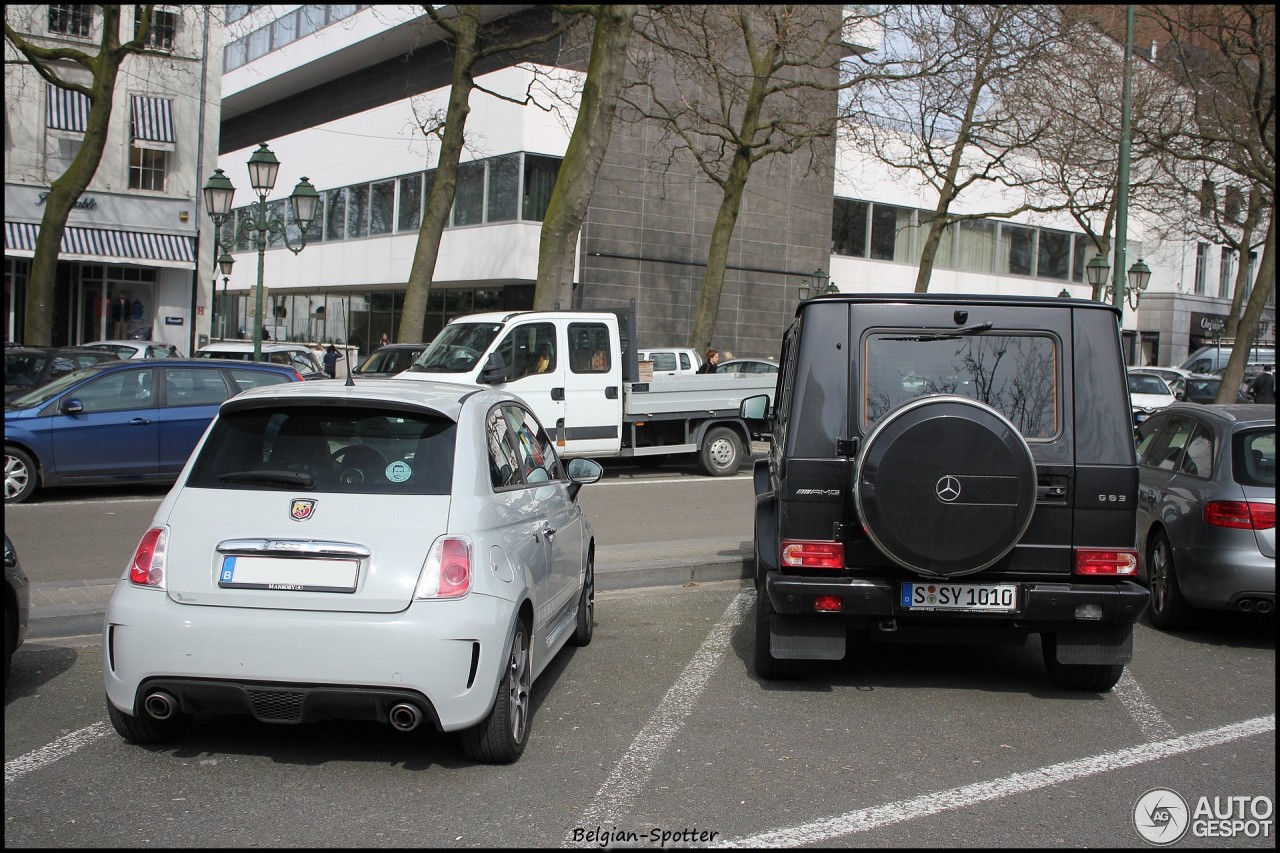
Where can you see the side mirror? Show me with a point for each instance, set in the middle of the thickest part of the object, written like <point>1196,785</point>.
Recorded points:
<point>72,406</point>
<point>495,370</point>
<point>582,472</point>
<point>755,408</point>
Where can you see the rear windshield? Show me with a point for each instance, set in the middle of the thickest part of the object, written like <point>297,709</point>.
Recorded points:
<point>354,451</point>
<point>1253,457</point>
<point>1017,375</point>
<point>1142,384</point>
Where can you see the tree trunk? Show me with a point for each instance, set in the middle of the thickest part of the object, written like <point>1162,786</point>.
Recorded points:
<point>440,199</point>
<point>1242,273</point>
<point>587,146</point>
<point>704,316</point>
<point>1247,330</point>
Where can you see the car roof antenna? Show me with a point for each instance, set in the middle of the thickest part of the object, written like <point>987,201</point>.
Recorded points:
<point>351,379</point>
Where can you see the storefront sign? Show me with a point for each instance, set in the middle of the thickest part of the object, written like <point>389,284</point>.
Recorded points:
<point>85,202</point>
<point>1206,328</point>
<point>173,321</point>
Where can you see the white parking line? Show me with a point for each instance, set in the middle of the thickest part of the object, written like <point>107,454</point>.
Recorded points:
<point>59,749</point>
<point>1143,710</point>
<point>618,794</point>
<point>877,817</point>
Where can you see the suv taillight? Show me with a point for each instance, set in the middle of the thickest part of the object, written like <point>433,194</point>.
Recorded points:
<point>813,555</point>
<point>1122,562</point>
<point>1243,515</point>
<point>447,573</point>
<point>147,566</point>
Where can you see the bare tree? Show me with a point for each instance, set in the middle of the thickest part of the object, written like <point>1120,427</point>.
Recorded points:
<point>587,147</point>
<point>960,125</point>
<point>472,42</point>
<point>59,66</point>
<point>731,86</point>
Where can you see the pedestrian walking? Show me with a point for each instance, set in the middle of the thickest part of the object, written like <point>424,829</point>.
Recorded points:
<point>331,356</point>
<point>1264,386</point>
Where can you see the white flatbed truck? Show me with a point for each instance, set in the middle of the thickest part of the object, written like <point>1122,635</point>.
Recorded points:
<point>589,395</point>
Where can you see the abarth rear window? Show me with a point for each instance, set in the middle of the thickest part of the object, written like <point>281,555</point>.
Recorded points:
<point>1017,375</point>
<point>351,451</point>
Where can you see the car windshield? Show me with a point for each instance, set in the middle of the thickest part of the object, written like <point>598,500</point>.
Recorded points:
<point>1016,375</point>
<point>352,451</point>
<point>22,368</point>
<point>45,393</point>
<point>457,349</point>
<point>1142,384</point>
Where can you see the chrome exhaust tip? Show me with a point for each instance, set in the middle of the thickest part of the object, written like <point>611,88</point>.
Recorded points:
<point>1246,605</point>
<point>1265,606</point>
<point>405,717</point>
<point>160,705</point>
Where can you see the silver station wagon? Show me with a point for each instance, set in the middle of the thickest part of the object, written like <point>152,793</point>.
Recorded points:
<point>378,550</point>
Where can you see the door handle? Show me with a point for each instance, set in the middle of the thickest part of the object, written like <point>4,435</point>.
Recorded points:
<point>139,422</point>
<point>549,532</point>
<point>557,394</point>
<point>611,392</point>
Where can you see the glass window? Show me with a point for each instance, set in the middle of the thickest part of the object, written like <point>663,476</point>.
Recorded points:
<point>849,228</point>
<point>1082,244</point>
<point>235,54</point>
<point>284,30</point>
<point>537,458</point>
<point>891,233</point>
<point>589,350</point>
<point>164,26</point>
<point>1017,248</point>
<point>235,13</point>
<point>1253,457</point>
<point>458,347</point>
<point>147,169</point>
<point>339,11</point>
<point>357,211</point>
<point>977,246</point>
<point>193,386</point>
<point>468,202</point>
<point>1015,374</point>
<point>529,348</point>
<point>310,18</point>
<point>1202,268</point>
<point>335,214</point>
<point>410,215</point>
<point>1054,259</point>
<point>258,43</point>
<point>539,179</point>
<point>1198,460</point>
<point>70,20</point>
<point>1225,266</point>
<point>1163,447</point>
<point>504,183</point>
<point>505,461</point>
<point>127,389</point>
<point>382,199</point>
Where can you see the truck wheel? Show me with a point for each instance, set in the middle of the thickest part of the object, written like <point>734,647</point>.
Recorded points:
<point>766,665</point>
<point>721,452</point>
<point>1094,677</point>
<point>1169,609</point>
<point>945,486</point>
<point>19,475</point>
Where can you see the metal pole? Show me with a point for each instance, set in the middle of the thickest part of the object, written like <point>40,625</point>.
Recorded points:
<point>261,225</point>
<point>1120,282</point>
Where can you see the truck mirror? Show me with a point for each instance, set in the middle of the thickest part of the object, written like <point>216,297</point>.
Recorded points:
<point>754,408</point>
<point>495,370</point>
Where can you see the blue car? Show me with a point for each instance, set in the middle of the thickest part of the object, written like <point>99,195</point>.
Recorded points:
<point>120,421</point>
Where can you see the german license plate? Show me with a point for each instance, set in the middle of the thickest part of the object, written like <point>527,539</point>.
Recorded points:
<point>984,598</point>
<point>288,574</point>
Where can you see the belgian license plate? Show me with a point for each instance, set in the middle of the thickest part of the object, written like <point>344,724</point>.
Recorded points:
<point>985,598</point>
<point>288,574</point>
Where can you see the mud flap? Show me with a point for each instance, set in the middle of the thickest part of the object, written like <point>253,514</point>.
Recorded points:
<point>794,638</point>
<point>1103,644</point>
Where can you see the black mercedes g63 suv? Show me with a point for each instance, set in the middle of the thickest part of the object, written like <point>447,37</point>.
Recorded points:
<point>949,468</point>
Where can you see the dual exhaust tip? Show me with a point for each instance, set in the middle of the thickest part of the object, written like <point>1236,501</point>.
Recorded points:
<point>1255,605</point>
<point>160,705</point>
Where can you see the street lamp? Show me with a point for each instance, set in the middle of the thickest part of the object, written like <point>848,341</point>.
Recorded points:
<point>225,263</point>
<point>218,193</point>
<point>263,168</point>
<point>1139,277</point>
<point>1096,271</point>
<point>818,277</point>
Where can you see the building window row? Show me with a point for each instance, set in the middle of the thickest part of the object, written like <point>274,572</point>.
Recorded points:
<point>288,28</point>
<point>151,135</point>
<point>884,232</point>
<point>507,188</point>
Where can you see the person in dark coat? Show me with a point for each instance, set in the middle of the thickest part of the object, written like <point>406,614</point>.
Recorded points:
<point>331,356</point>
<point>713,359</point>
<point>1264,386</point>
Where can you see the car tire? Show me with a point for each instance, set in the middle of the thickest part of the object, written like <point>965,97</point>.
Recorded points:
<point>20,475</point>
<point>1169,609</point>
<point>945,486</point>
<point>586,606</point>
<point>720,453</point>
<point>147,730</point>
<point>765,664</point>
<point>500,737</point>
<point>1093,677</point>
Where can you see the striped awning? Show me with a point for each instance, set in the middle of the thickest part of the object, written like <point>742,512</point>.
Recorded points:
<point>153,123</point>
<point>106,246</point>
<point>68,110</point>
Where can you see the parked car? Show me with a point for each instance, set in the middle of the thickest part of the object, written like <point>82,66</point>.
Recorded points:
<point>1213,358</point>
<point>1207,510</point>
<point>17,604</point>
<point>1168,374</point>
<point>28,368</point>
<point>748,364</point>
<point>672,361</point>
<point>301,358</point>
<point>119,421</point>
<point>1148,393</point>
<point>389,360</point>
<point>383,551</point>
<point>1202,388</point>
<point>137,349</point>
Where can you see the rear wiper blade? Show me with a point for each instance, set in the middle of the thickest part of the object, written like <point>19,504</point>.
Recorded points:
<point>295,479</point>
<point>946,336</point>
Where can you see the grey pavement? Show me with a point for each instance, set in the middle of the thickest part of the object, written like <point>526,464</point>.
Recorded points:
<point>67,609</point>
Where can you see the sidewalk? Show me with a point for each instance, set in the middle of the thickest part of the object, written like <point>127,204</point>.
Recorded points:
<point>617,567</point>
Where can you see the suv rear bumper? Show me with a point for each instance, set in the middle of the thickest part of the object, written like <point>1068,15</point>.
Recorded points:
<point>1042,604</point>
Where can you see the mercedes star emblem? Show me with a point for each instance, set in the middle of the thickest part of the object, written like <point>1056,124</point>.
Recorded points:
<point>948,489</point>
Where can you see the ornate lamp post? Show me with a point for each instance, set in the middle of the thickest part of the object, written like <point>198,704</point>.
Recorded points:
<point>218,193</point>
<point>225,263</point>
<point>263,168</point>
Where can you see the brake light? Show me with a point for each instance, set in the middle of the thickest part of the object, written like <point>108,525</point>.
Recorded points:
<point>447,572</point>
<point>828,604</point>
<point>1122,562</point>
<point>1243,515</point>
<point>147,566</point>
<point>813,555</point>
<point>298,377</point>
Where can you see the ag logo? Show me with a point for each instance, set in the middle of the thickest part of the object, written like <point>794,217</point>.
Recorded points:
<point>947,489</point>
<point>302,508</point>
<point>1161,816</point>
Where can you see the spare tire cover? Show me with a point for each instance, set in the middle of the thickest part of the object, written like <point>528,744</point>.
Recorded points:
<point>945,486</point>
